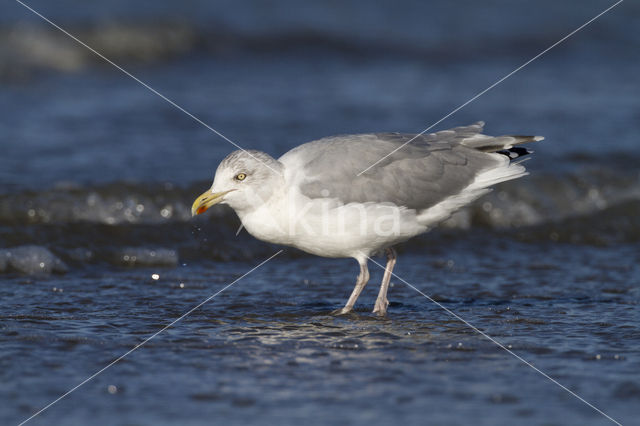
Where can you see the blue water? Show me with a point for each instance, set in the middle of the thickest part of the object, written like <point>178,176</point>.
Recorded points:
<point>97,175</point>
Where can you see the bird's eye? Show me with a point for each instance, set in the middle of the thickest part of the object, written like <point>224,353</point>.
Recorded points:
<point>241,176</point>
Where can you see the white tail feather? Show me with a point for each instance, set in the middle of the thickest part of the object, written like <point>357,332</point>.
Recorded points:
<point>480,186</point>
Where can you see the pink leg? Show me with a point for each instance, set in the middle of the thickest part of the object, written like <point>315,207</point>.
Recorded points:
<point>363,278</point>
<point>382,302</point>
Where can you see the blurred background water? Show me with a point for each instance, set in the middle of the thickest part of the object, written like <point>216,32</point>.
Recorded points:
<point>97,175</point>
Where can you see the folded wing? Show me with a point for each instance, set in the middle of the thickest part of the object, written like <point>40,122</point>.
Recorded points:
<point>419,175</point>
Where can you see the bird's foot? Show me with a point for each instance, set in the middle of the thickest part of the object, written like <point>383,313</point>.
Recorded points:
<point>341,311</point>
<point>380,307</point>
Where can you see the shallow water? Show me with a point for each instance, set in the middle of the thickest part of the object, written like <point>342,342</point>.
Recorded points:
<point>266,350</point>
<point>97,177</point>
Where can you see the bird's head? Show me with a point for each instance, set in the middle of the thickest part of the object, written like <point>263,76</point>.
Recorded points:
<point>244,180</point>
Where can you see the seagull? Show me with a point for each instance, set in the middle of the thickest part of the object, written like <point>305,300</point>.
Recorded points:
<point>358,195</point>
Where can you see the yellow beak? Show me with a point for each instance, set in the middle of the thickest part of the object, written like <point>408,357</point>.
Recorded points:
<point>206,200</point>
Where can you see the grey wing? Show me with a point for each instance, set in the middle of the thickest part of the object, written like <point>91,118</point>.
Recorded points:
<point>419,175</point>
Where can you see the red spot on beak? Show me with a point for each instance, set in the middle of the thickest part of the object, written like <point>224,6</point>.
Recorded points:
<point>201,210</point>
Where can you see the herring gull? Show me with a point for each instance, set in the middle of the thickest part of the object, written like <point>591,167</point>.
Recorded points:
<point>316,197</point>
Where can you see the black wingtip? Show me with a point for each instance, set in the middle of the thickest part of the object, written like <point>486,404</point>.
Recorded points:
<point>515,152</point>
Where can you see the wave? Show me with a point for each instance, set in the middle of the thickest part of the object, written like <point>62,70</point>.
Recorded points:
<point>155,31</point>
<point>26,49</point>
<point>534,200</point>
<point>530,201</point>
<point>140,225</point>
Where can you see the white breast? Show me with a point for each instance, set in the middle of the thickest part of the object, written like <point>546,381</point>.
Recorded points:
<point>325,227</point>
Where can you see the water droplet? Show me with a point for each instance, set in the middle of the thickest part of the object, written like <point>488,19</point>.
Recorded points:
<point>166,212</point>
<point>112,389</point>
